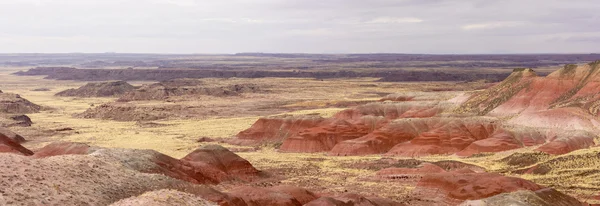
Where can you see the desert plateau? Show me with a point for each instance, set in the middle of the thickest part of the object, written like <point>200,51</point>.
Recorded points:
<point>91,137</point>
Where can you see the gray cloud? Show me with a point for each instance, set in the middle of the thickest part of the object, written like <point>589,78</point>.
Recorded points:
<point>314,26</point>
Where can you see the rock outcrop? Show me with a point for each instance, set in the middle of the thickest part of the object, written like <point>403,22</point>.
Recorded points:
<point>102,89</point>
<point>409,129</point>
<point>122,111</point>
<point>354,123</point>
<point>185,87</point>
<point>15,104</point>
<point>220,164</point>
<point>210,164</point>
<point>275,129</point>
<point>10,143</point>
<point>86,180</point>
<point>15,120</point>
<point>567,98</point>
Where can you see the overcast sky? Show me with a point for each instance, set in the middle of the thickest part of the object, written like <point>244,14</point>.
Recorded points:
<point>303,26</point>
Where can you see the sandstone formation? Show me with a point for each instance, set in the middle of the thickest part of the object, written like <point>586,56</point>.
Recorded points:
<point>354,123</point>
<point>102,89</point>
<point>567,98</point>
<point>226,164</point>
<point>275,129</point>
<point>407,129</point>
<point>418,128</point>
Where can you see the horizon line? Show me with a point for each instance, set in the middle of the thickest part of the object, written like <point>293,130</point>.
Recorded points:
<point>298,53</point>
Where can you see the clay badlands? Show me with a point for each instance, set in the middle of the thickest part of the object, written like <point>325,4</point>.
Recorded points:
<point>260,129</point>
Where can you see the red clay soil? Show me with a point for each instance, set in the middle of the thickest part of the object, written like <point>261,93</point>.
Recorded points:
<point>568,98</point>
<point>276,129</point>
<point>424,136</point>
<point>428,136</point>
<point>220,164</point>
<point>354,123</point>
<point>452,188</point>
<point>566,145</point>
<point>62,148</point>
<point>10,145</point>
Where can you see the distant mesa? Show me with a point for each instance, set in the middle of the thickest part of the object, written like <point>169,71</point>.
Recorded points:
<point>103,89</point>
<point>125,111</point>
<point>185,87</point>
<point>41,89</point>
<point>164,74</point>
